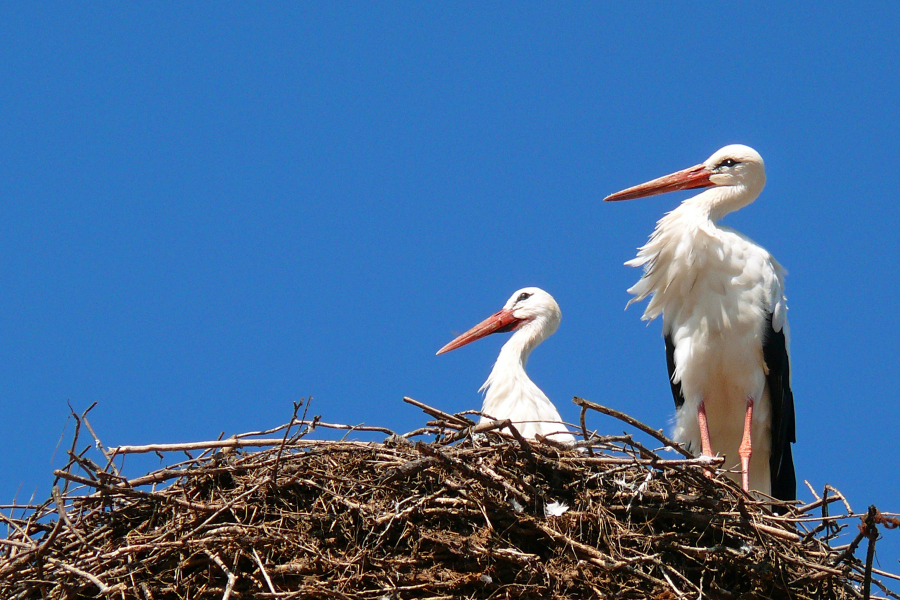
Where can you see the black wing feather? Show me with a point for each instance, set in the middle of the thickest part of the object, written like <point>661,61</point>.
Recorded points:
<point>670,363</point>
<point>781,460</point>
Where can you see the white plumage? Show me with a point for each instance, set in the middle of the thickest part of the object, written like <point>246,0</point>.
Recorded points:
<point>509,393</point>
<point>724,321</point>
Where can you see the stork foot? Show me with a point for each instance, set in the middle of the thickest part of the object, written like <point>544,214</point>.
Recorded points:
<point>705,445</point>
<point>745,451</point>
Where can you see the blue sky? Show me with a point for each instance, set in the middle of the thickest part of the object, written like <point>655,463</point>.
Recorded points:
<point>212,211</point>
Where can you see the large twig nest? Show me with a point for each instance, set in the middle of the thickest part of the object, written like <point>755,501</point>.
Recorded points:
<point>483,517</point>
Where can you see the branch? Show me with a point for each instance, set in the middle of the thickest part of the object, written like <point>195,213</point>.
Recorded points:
<point>586,404</point>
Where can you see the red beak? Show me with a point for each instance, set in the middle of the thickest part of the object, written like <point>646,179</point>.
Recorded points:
<point>688,179</point>
<point>498,322</point>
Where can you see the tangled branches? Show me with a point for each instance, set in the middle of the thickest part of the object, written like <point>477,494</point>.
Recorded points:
<point>471,514</point>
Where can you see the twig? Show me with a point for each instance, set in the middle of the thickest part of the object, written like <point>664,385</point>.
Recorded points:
<point>672,585</point>
<point>585,404</point>
<point>227,443</point>
<point>232,579</point>
<point>263,571</point>
<point>841,496</point>
<point>109,456</point>
<point>104,589</point>
<point>6,542</point>
<point>237,442</point>
<point>812,490</point>
<point>702,461</point>
<point>863,531</point>
<point>439,414</point>
<point>74,436</point>
<point>287,432</point>
<point>584,432</point>
<point>61,510</point>
<point>35,554</point>
<point>871,531</point>
<point>408,469</point>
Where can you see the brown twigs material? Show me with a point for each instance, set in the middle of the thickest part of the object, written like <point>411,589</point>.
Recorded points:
<point>478,513</point>
<point>587,404</point>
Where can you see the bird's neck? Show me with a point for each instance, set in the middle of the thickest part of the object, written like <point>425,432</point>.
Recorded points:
<point>509,370</point>
<point>514,353</point>
<point>716,202</point>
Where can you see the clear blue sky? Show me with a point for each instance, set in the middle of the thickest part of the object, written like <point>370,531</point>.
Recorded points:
<point>213,210</point>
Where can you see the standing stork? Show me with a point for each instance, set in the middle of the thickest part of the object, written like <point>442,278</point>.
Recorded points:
<point>724,321</point>
<point>534,316</point>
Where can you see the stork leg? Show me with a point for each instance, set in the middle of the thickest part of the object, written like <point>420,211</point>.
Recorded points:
<point>746,448</point>
<point>705,445</point>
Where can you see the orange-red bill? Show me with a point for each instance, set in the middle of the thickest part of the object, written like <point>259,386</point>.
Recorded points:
<point>498,322</point>
<point>688,179</point>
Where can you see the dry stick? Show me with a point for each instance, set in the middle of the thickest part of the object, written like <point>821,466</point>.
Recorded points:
<point>815,504</point>
<point>130,493</point>
<point>232,579</point>
<point>434,412</point>
<point>109,456</point>
<point>409,469</point>
<point>596,557</point>
<point>351,428</point>
<point>860,577</point>
<point>473,429</point>
<point>660,462</point>
<point>585,404</point>
<point>672,585</point>
<point>584,433</point>
<point>645,452</point>
<point>10,522</point>
<point>841,496</point>
<point>263,570</point>
<point>851,548</point>
<point>287,432</point>
<point>235,442</point>
<point>468,471</point>
<point>229,443</point>
<point>169,473</point>
<point>871,532</point>
<point>280,427</point>
<point>315,423</point>
<point>230,503</point>
<point>61,509</point>
<point>811,489</point>
<point>774,531</point>
<point>825,522</point>
<point>104,589</point>
<point>878,583</point>
<point>36,553</point>
<point>422,431</point>
<point>75,437</point>
<point>494,425</point>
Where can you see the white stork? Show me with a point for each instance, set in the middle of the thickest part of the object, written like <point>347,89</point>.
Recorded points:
<point>509,393</point>
<point>724,321</point>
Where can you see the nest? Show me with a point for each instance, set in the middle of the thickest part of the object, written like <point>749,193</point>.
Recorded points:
<point>471,514</point>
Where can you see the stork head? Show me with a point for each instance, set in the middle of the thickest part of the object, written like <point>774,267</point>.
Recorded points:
<point>737,173</point>
<point>530,309</point>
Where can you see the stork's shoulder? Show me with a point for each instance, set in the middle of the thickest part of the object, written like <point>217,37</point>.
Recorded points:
<point>764,273</point>
<point>754,254</point>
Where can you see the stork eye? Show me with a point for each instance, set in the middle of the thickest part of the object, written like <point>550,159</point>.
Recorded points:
<point>523,296</point>
<point>728,162</point>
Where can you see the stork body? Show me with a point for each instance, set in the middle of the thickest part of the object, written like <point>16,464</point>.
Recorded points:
<point>722,300</point>
<point>509,393</point>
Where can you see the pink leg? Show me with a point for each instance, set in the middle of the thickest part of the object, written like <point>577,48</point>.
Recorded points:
<point>746,449</point>
<point>705,445</point>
